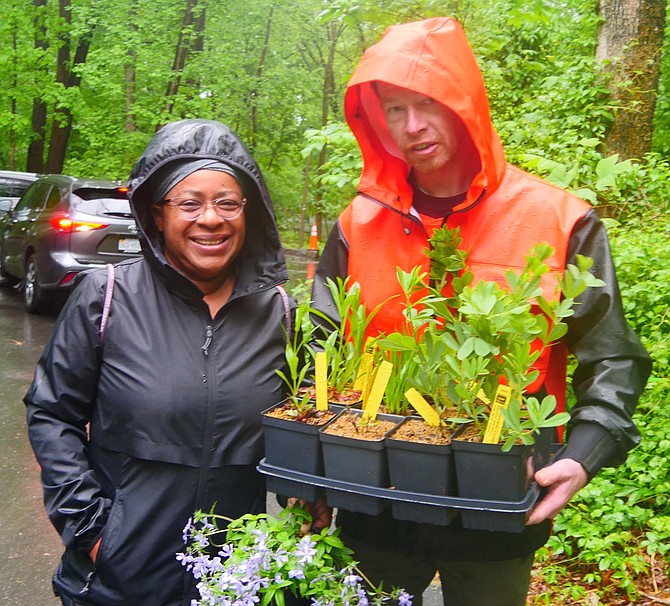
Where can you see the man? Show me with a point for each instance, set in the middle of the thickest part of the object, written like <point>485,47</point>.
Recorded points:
<point>418,108</point>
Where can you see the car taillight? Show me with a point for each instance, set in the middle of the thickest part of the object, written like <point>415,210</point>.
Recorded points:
<point>69,277</point>
<point>67,225</point>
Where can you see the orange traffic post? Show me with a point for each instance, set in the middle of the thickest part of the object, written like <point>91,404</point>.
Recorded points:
<point>313,239</point>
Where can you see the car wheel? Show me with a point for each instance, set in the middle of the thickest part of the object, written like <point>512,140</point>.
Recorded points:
<point>33,296</point>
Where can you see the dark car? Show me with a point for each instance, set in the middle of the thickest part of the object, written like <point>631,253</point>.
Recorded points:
<point>13,185</point>
<point>61,226</point>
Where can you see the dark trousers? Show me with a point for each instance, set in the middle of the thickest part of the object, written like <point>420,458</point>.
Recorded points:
<point>492,583</point>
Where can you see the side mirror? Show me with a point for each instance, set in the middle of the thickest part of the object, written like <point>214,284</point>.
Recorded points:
<point>5,206</point>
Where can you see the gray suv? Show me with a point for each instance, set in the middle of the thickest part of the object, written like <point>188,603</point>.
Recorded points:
<point>60,227</point>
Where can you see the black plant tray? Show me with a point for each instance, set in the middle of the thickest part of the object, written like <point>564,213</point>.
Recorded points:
<point>506,516</point>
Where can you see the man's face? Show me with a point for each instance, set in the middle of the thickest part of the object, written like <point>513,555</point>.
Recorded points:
<point>427,133</point>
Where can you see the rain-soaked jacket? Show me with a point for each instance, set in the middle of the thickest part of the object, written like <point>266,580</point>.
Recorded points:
<point>172,396</point>
<point>505,212</point>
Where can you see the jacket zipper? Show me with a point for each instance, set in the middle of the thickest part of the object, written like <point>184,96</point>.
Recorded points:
<point>208,339</point>
<point>207,374</point>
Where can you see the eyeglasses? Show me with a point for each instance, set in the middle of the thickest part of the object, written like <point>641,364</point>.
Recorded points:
<point>192,210</point>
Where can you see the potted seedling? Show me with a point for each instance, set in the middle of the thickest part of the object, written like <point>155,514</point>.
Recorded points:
<point>353,449</point>
<point>472,342</point>
<point>419,449</point>
<point>510,327</point>
<point>290,428</point>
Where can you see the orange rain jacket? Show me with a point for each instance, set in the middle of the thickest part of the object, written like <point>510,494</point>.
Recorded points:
<point>506,211</point>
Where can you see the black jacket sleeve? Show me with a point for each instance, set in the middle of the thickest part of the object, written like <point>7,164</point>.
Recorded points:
<point>613,366</point>
<point>59,406</point>
<point>332,264</point>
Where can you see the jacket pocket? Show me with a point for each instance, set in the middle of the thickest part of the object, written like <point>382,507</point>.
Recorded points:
<point>74,575</point>
<point>105,579</point>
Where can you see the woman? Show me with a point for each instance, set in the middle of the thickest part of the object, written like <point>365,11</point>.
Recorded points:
<point>174,393</point>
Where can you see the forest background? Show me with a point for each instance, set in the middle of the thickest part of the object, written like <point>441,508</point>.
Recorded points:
<point>580,94</point>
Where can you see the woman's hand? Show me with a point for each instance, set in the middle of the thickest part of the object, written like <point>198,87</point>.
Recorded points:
<point>322,515</point>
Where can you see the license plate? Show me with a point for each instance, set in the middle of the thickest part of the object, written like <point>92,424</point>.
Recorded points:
<point>129,245</point>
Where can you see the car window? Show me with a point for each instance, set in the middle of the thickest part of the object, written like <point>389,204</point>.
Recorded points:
<point>54,198</point>
<point>11,187</point>
<point>34,197</point>
<point>102,202</point>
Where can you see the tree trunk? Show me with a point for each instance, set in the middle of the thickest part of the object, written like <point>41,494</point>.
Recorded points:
<point>67,75</point>
<point>185,43</point>
<point>253,127</point>
<point>334,30</point>
<point>35,159</point>
<point>15,84</point>
<point>129,73</point>
<point>630,42</point>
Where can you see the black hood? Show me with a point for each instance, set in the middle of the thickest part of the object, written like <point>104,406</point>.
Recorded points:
<point>260,264</point>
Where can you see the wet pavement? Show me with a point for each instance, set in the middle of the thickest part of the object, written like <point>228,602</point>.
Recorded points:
<point>29,546</point>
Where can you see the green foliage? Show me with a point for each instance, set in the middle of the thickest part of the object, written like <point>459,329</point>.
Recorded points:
<point>338,176</point>
<point>641,249</point>
<point>608,533</point>
<point>299,357</point>
<point>623,515</point>
<point>549,99</point>
<point>344,353</point>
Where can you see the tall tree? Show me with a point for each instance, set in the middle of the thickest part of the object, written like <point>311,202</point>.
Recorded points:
<point>129,72</point>
<point>630,43</point>
<point>189,40</point>
<point>35,160</point>
<point>253,101</point>
<point>67,75</point>
<point>322,57</point>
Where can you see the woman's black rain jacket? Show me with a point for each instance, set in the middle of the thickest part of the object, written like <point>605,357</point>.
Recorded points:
<point>172,397</point>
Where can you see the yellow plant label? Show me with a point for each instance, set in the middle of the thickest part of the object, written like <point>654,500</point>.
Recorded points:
<point>382,377</point>
<point>495,424</point>
<point>321,380</point>
<point>427,412</point>
<point>503,395</point>
<point>364,373</point>
<point>482,396</point>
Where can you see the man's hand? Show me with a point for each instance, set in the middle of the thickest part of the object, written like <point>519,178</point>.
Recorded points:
<point>564,478</point>
<point>322,515</point>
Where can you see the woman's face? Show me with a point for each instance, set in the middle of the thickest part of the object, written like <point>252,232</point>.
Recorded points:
<point>202,249</point>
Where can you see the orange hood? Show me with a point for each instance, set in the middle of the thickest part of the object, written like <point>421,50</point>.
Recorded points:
<point>433,58</point>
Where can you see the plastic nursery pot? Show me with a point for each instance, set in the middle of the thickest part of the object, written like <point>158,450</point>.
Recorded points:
<point>356,460</point>
<point>294,445</point>
<point>420,468</point>
<point>484,471</point>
